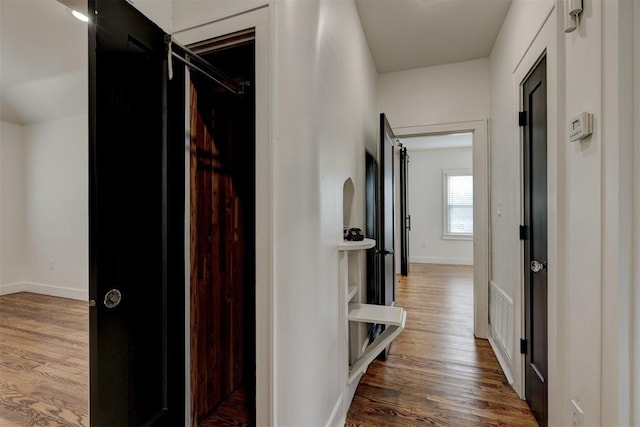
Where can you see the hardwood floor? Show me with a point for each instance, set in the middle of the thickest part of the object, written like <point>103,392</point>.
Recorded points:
<point>437,372</point>
<point>233,411</point>
<point>44,350</point>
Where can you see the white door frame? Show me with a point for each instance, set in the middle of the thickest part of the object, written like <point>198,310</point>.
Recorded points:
<point>481,203</point>
<point>265,299</point>
<point>543,44</point>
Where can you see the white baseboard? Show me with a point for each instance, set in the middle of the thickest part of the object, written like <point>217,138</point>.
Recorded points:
<point>434,260</point>
<point>337,418</point>
<point>39,288</point>
<point>13,288</point>
<point>497,350</point>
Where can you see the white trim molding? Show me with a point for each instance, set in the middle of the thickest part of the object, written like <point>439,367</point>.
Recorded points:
<point>434,260</point>
<point>44,289</point>
<point>543,43</point>
<point>481,194</point>
<point>258,19</point>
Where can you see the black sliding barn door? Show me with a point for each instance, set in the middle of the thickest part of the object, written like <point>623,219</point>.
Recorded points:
<point>405,217</point>
<point>372,225</point>
<point>386,235</point>
<point>136,224</point>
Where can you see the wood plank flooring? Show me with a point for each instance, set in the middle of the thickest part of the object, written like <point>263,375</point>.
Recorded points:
<point>437,373</point>
<point>44,350</point>
<point>233,411</point>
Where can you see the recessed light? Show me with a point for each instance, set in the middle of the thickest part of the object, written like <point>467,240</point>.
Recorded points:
<point>80,16</point>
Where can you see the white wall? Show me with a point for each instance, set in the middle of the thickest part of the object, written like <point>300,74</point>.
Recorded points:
<point>190,13</point>
<point>583,92</point>
<point>635,307</point>
<point>522,23</point>
<point>44,208</point>
<point>589,309</point>
<point>323,117</point>
<point>618,182</point>
<point>56,206</point>
<point>635,297</point>
<point>435,95</point>
<point>426,244</point>
<point>12,226</point>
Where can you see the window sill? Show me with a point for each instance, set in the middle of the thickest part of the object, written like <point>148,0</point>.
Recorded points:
<point>457,237</point>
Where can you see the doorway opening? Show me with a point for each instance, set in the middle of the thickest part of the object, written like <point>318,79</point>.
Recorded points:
<point>223,237</point>
<point>438,212</point>
<point>449,223</point>
<point>439,190</point>
<point>44,263</point>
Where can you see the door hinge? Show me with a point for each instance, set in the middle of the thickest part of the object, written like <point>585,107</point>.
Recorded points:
<point>524,232</point>
<point>523,346</point>
<point>522,118</point>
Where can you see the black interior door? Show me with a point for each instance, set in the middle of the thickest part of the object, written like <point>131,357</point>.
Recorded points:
<point>371,229</point>
<point>136,223</point>
<point>385,243</point>
<point>405,217</point>
<point>535,244</point>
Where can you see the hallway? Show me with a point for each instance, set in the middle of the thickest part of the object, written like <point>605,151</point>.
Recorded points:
<point>437,372</point>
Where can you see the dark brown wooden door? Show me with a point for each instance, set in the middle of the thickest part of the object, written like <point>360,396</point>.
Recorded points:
<point>136,222</point>
<point>405,217</point>
<point>535,244</point>
<point>222,174</point>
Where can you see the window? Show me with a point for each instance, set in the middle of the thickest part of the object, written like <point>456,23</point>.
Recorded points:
<point>458,204</point>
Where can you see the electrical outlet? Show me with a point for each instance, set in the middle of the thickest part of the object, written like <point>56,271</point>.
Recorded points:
<point>52,265</point>
<point>577,419</point>
<point>423,245</point>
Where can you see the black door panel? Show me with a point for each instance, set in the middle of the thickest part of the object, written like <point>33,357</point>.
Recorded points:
<point>535,247</point>
<point>136,223</point>
<point>405,218</point>
<point>385,243</point>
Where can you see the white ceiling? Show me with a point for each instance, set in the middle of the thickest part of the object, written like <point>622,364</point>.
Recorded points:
<point>43,49</point>
<point>405,34</point>
<point>43,61</point>
<point>438,142</point>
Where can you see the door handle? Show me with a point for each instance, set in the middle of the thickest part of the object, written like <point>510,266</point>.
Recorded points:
<point>385,252</point>
<point>537,266</point>
<point>409,222</point>
<point>112,298</point>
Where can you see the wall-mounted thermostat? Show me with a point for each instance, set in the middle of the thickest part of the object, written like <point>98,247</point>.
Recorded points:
<point>581,126</point>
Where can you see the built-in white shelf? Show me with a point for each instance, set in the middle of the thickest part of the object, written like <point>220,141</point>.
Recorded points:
<point>355,314</point>
<point>353,290</point>
<point>384,339</point>
<point>348,245</point>
<point>382,314</point>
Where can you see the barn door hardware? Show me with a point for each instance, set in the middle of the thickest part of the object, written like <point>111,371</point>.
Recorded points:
<point>195,62</point>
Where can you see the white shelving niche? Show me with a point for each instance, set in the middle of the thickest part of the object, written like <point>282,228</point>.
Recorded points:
<point>358,352</point>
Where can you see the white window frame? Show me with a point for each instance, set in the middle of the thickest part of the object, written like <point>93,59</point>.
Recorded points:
<point>446,235</point>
